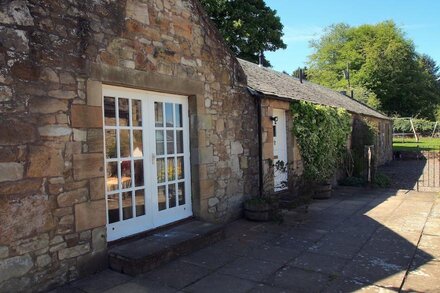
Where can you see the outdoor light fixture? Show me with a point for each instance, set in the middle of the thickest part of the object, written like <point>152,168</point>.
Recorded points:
<point>274,119</point>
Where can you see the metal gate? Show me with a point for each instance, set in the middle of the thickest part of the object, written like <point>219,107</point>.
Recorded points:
<point>430,177</point>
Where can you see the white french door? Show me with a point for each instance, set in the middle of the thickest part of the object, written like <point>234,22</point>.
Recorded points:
<point>279,148</point>
<point>147,166</point>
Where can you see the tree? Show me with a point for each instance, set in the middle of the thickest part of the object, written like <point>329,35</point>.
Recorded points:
<point>248,26</point>
<point>383,65</point>
<point>296,73</point>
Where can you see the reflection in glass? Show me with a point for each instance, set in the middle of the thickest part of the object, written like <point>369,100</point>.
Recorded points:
<point>171,169</point>
<point>179,115</point>
<point>112,176</point>
<point>172,195</point>
<point>124,143</point>
<point>160,149</point>
<point>109,111</point>
<point>140,202</point>
<point>137,144</point>
<point>161,198</point>
<point>136,112</point>
<point>127,206</point>
<point>169,115</point>
<point>113,208</point>
<point>110,144</point>
<point>138,173</point>
<point>158,114</point>
<point>170,141</point>
<point>179,141</point>
<point>126,174</point>
<point>180,168</point>
<point>124,116</point>
<point>181,193</point>
<point>160,165</point>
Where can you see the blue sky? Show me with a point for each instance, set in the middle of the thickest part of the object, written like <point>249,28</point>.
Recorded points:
<point>304,20</point>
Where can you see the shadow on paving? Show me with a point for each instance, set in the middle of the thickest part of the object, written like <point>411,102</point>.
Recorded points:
<point>369,240</point>
<point>404,174</point>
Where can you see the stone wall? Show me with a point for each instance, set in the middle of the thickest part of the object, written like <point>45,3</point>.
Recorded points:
<point>54,57</point>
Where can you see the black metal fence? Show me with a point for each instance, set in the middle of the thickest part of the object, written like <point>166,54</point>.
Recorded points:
<point>429,179</point>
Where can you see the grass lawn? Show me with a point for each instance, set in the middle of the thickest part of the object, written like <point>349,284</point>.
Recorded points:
<point>410,144</point>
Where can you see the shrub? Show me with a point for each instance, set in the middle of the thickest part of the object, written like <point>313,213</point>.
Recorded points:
<point>381,180</point>
<point>353,181</point>
<point>322,134</point>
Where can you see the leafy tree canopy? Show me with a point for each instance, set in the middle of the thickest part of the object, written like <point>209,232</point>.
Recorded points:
<point>248,26</point>
<point>385,70</point>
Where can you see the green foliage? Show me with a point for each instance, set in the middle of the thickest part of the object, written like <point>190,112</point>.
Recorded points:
<point>248,26</point>
<point>364,133</point>
<point>381,180</point>
<point>322,133</point>
<point>383,63</point>
<point>353,181</point>
<point>422,126</point>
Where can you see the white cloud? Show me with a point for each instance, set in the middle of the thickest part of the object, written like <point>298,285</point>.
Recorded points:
<point>301,34</point>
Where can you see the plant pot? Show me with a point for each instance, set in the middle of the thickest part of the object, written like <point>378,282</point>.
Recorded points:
<point>260,210</point>
<point>323,191</point>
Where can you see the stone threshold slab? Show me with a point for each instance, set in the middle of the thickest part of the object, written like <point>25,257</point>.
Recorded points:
<point>145,254</point>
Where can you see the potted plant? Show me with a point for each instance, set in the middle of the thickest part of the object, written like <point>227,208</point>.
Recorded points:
<point>265,206</point>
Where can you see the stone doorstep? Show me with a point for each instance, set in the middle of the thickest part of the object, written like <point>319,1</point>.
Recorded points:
<point>145,254</point>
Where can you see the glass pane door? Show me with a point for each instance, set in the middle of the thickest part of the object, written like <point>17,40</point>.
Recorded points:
<point>170,163</point>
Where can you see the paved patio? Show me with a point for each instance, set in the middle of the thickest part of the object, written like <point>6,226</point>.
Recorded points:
<point>360,240</point>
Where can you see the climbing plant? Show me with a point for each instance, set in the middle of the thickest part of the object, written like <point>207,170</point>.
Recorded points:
<point>322,133</point>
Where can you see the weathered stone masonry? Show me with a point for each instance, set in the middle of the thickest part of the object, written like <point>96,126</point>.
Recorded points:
<point>54,58</point>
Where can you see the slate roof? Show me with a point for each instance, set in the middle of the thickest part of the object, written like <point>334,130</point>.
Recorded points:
<point>274,83</point>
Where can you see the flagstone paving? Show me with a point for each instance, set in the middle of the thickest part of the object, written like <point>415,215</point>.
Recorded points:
<point>359,240</point>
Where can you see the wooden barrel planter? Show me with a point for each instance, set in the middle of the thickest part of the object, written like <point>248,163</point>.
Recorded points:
<point>323,191</point>
<point>260,210</point>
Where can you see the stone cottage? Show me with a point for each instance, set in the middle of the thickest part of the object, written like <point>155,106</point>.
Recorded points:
<point>276,91</point>
<point>118,117</point>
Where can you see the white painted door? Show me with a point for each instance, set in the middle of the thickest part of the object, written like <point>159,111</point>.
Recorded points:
<point>147,163</point>
<point>279,148</point>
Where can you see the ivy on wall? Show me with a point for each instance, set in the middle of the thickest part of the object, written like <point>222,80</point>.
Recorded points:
<point>322,134</point>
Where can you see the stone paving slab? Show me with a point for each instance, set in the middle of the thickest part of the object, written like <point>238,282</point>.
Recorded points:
<point>361,240</point>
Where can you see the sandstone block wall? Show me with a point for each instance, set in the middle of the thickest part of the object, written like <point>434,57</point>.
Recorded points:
<point>54,58</point>
<point>293,152</point>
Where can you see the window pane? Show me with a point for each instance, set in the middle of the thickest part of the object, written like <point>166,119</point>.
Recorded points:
<point>160,149</point>
<point>140,203</point>
<point>169,115</point>
<point>161,198</point>
<point>158,114</point>
<point>136,112</point>
<point>180,168</point>
<point>139,173</point>
<point>127,206</point>
<point>113,208</point>
<point>171,169</point>
<point>138,150</point>
<point>172,195</point>
<point>126,174</point>
<point>124,118</point>
<point>160,165</point>
<point>179,141</point>
<point>170,141</point>
<point>181,193</point>
<point>179,115</point>
<point>109,111</point>
<point>124,136</point>
<point>112,176</point>
<point>110,144</point>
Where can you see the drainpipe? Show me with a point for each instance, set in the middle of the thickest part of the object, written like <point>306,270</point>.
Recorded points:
<point>260,140</point>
